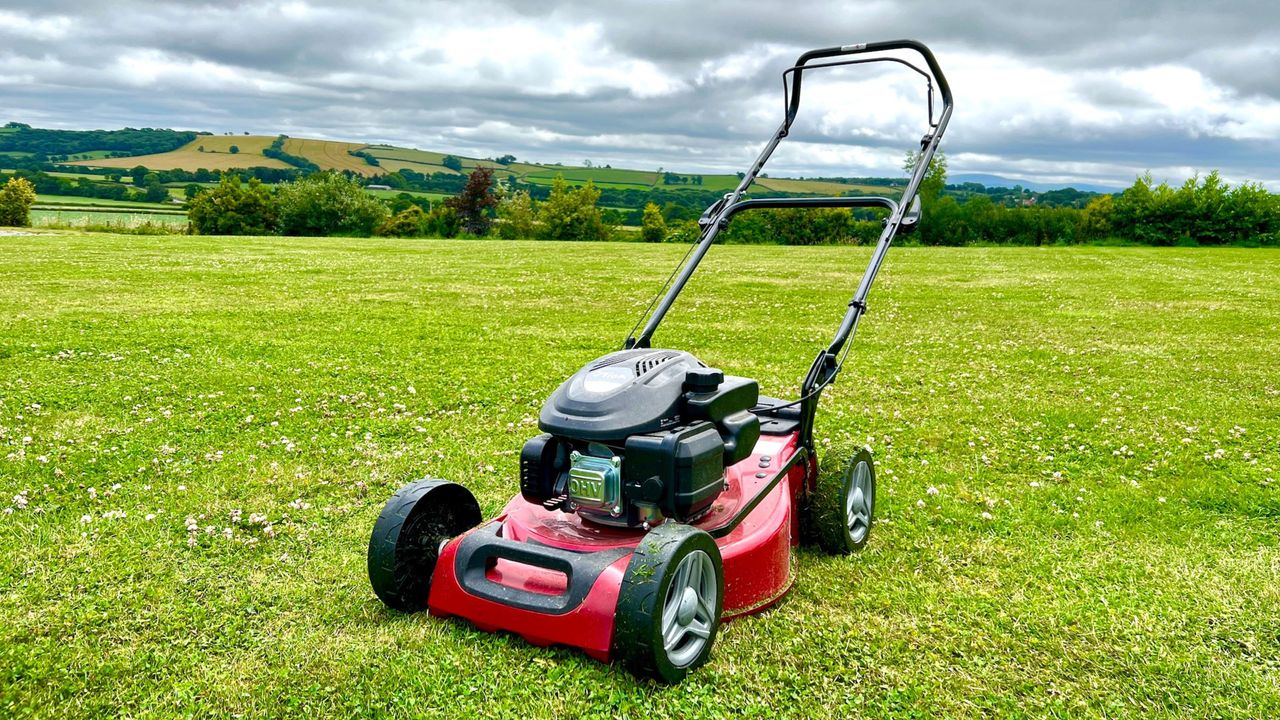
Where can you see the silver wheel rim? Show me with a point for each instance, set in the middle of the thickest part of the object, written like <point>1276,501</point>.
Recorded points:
<point>689,611</point>
<point>858,501</point>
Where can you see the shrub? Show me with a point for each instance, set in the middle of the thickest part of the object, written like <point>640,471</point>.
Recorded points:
<point>517,215</point>
<point>572,214</point>
<point>443,222</point>
<point>233,208</point>
<point>792,226</point>
<point>406,223</point>
<point>652,227</point>
<point>328,203</point>
<point>16,198</point>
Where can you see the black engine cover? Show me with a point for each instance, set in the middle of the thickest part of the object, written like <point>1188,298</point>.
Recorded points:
<point>670,423</point>
<point>619,395</point>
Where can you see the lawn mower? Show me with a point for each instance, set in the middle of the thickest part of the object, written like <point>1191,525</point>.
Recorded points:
<point>664,497</point>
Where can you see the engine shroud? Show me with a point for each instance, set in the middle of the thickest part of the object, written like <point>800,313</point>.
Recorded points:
<point>639,435</point>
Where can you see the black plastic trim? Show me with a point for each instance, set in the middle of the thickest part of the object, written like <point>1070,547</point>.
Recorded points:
<point>477,549</point>
<point>800,454</point>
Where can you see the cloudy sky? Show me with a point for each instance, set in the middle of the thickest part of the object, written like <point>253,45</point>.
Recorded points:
<point>1084,91</point>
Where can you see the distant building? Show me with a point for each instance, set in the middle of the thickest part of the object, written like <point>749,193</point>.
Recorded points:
<point>377,187</point>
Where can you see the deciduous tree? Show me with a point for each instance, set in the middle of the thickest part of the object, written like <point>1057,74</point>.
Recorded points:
<point>16,198</point>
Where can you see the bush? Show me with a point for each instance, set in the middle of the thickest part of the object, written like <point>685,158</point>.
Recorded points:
<point>572,214</point>
<point>443,222</point>
<point>16,198</point>
<point>517,215</point>
<point>233,208</point>
<point>793,226</point>
<point>652,227</point>
<point>328,203</point>
<point>406,223</point>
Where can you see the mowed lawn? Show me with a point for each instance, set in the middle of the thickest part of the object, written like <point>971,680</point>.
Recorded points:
<point>1078,450</point>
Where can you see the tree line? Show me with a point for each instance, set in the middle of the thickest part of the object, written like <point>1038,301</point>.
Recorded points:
<point>331,203</point>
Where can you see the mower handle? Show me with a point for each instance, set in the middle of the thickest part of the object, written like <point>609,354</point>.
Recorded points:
<point>903,215</point>
<point>793,107</point>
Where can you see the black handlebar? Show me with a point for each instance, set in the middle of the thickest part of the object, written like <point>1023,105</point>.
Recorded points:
<point>861,48</point>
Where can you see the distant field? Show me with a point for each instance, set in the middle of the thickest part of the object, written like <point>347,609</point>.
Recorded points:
<point>80,218</point>
<point>216,156</point>
<point>393,164</point>
<point>42,200</point>
<point>331,155</point>
<point>389,194</point>
<point>819,186</point>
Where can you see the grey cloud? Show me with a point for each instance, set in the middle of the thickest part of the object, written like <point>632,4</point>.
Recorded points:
<point>345,82</point>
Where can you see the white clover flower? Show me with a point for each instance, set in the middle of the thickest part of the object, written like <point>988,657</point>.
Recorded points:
<point>86,519</point>
<point>988,516</point>
<point>920,503</point>
<point>932,490</point>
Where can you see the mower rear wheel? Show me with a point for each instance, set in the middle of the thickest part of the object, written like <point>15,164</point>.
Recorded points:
<point>842,508</point>
<point>670,603</point>
<point>407,538</point>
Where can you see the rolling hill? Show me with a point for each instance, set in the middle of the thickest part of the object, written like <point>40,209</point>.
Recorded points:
<point>213,152</point>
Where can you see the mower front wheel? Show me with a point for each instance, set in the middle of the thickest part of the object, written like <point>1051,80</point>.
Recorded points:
<point>407,538</point>
<point>842,508</point>
<point>670,603</point>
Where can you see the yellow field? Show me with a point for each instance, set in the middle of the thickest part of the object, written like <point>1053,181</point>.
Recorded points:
<point>216,156</point>
<point>331,155</point>
<point>392,164</point>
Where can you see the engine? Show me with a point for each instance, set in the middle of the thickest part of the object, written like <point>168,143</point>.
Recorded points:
<point>640,435</point>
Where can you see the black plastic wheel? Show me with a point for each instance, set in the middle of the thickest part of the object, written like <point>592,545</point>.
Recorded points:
<point>407,537</point>
<point>670,603</point>
<point>841,510</point>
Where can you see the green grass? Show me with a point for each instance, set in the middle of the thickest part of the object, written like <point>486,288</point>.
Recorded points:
<point>1100,427</point>
<point>47,200</point>
<point>82,217</point>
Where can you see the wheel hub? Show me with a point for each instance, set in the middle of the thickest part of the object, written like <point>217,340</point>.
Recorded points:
<point>688,614</point>
<point>858,502</point>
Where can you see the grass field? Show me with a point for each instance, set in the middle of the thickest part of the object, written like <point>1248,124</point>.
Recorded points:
<point>1078,451</point>
<point>49,217</point>
<point>47,200</point>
